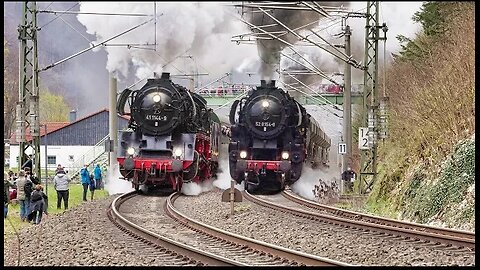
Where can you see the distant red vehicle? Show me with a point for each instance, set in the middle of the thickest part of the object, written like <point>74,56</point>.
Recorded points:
<point>335,89</point>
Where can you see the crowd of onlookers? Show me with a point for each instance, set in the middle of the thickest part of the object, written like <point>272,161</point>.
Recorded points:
<point>25,189</point>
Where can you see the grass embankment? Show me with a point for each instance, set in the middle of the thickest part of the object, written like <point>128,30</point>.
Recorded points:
<point>74,199</point>
<point>427,165</point>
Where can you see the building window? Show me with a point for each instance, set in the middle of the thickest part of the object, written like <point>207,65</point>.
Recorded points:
<point>70,158</point>
<point>52,160</point>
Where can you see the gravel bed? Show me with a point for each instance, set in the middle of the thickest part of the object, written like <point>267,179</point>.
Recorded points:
<point>313,237</point>
<point>80,236</point>
<point>148,212</point>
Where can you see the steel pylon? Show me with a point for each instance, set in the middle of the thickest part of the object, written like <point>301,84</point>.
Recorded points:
<point>28,98</point>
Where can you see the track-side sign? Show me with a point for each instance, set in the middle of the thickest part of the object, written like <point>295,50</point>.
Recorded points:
<point>342,148</point>
<point>363,138</point>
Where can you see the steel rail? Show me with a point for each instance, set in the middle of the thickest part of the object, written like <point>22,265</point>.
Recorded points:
<point>468,236</point>
<point>289,254</point>
<point>383,229</point>
<point>178,247</point>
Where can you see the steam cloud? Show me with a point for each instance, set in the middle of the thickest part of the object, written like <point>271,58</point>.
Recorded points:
<point>223,180</point>
<point>332,126</point>
<point>202,30</point>
<point>397,15</point>
<point>114,184</point>
<point>269,50</point>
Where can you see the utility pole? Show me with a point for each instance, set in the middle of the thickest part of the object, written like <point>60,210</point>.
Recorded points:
<point>347,104</point>
<point>112,123</point>
<point>28,98</point>
<point>368,161</point>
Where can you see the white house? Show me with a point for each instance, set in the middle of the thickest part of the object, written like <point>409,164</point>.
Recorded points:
<point>71,144</point>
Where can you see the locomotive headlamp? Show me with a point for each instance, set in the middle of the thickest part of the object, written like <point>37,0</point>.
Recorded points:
<point>131,151</point>
<point>285,155</point>
<point>156,98</point>
<point>243,154</point>
<point>265,104</point>
<point>178,152</point>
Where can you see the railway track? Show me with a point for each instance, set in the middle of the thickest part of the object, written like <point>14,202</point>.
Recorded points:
<point>426,235</point>
<point>212,246</point>
<point>250,251</point>
<point>169,251</point>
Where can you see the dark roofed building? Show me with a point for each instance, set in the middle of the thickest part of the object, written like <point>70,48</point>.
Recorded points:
<point>70,144</point>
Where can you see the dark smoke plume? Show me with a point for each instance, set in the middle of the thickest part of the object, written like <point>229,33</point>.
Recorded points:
<point>269,50</point>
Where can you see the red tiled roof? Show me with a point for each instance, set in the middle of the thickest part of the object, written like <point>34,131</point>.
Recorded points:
<point>51,127</point>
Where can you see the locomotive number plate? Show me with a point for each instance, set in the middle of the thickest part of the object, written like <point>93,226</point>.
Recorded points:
<point>156,117</point>
<point>264,124</point>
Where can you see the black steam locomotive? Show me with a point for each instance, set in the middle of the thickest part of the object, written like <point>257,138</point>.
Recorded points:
<point>271,139</point>
<point>172,138</point>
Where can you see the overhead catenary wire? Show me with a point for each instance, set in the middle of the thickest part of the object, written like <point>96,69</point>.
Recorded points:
<point>314,98</point>
<point>316,70</point>
<point>228,102</point>
<point>309,88</point>
<point>348,60</point>
<point>49,4</point>
<point>58,16</point>
<point>74,29</point>
<point>94,46</point>
<point>95,13</point>
<point>205,86</point>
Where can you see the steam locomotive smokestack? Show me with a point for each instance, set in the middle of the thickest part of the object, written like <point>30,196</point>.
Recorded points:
<point>165,75</point>
<point>263,83</point>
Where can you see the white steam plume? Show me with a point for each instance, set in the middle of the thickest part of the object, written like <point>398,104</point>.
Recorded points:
<point>332,126</point>
<point>194,189</point>
<point>115,185</point>
<point>202,29</point>
<point>223,180</point>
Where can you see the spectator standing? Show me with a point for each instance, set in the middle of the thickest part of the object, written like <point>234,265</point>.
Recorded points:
<point>349,177</point>
<point>38,205</point>
<point>97,173</point>
<point>92,185</point>
<point>6,194</point>
<point>85,175</point>
<point>24,188</point>
<point>60,183</point>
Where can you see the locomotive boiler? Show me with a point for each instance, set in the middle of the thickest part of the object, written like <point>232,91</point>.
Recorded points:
<point>172,138</point>
<point>271,138</point>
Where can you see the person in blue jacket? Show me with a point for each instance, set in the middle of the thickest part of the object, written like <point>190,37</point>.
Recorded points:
<point>85,175</point>
<point>97,173</point>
